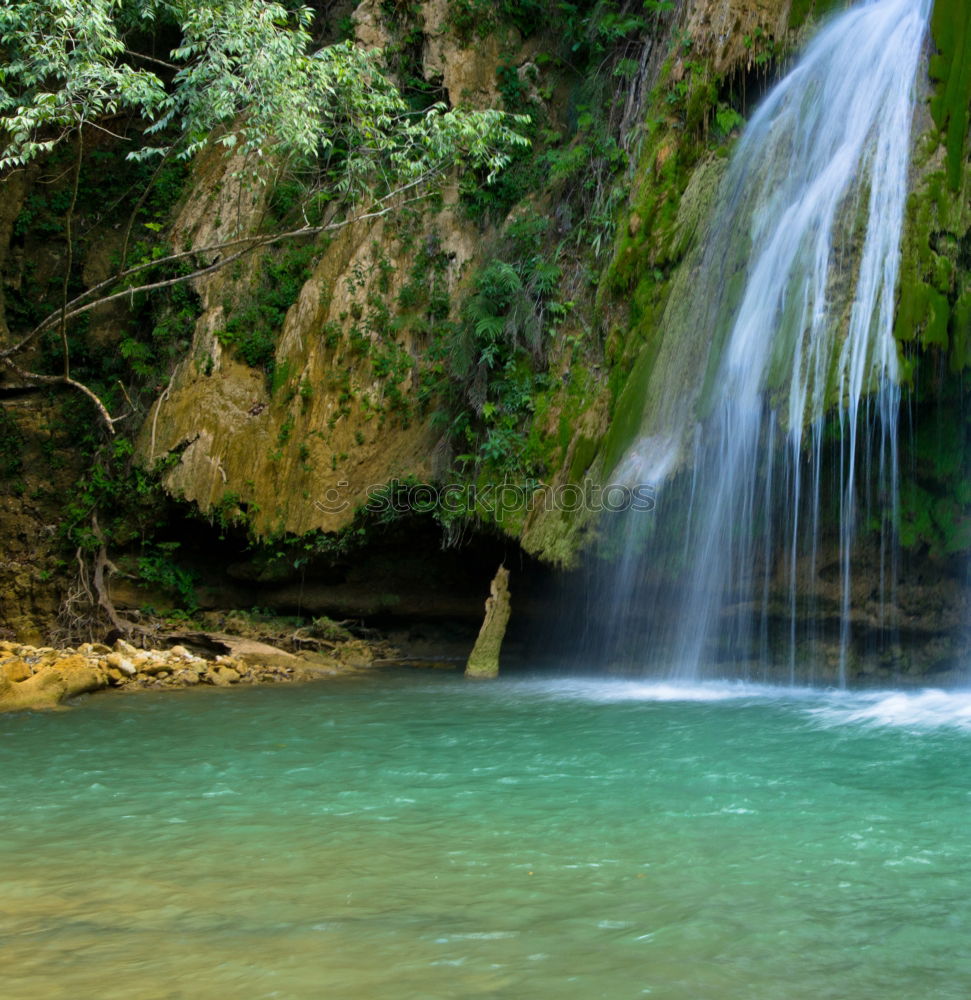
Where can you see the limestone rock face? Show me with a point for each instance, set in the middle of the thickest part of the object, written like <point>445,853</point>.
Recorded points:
<point>468,73</point>
<point>303,457</point>
<point>719,28</point>
<point>370,30</point>
<point>484,660</point>
<point>345,412</point>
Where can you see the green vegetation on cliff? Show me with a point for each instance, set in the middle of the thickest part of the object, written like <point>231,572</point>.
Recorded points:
<point>950,69</point>
<point>513,320</point>
<point>101,103</point>
<point>245,76</point>
<point>934,313</point>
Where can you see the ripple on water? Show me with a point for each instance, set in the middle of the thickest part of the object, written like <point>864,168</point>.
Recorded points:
<point>517,841</point>
<point>929,709</point>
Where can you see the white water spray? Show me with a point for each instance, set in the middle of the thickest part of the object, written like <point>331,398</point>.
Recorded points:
<point>796,293</point>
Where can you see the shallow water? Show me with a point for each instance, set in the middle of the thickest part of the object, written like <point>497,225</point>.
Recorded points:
<point>420,837</point>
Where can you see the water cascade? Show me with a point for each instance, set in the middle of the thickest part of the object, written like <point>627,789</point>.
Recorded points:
<point>792,421</point>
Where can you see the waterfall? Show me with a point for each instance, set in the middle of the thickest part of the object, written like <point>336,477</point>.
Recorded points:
<point>793,295</point>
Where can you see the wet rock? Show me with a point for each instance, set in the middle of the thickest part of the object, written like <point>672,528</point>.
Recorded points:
<point>355,654</point>
<point>154,663</point>
<point>121,663</point>
<point>69,676</point>
<point>484,659</point>
<point>15,670</point>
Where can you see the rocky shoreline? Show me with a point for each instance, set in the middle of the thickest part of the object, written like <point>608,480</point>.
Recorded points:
<point>43,677</point>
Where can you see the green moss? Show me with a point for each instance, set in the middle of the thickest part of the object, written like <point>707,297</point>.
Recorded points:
<point>935,492</point>
<point>678,174</point>
<point>802,10</point>
<point>629,410</point>
<point>935,285</point>
<point>584,453</point>
<point>951,70</point>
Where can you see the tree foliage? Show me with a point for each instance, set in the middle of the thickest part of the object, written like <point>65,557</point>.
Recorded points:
<point>244,71</point>
<point>168,78</point>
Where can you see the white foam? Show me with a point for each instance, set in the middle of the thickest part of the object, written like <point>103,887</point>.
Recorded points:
<point>665,691</point>
<point>924,709</point>
<point>928,709</point>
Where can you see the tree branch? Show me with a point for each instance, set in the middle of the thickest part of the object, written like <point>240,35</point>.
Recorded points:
<point>68,235</point>
<point>66,380</point>
<point>141,201</point>
<point>152,59</point>
<point>78,306</point>
<point>248,244</point>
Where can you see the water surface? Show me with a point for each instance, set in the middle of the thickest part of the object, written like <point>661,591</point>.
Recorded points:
<point>420,837</point>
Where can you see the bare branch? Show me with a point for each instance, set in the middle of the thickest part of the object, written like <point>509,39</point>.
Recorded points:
<point>66,380</point>
<point>151,59</point>
<point>248,244</point>
<point>68,230</point>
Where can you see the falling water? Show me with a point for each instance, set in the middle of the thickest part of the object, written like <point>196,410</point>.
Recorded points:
<point>794,293</point>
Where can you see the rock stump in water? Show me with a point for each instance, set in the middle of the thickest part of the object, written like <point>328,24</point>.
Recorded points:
<point>484,659</point>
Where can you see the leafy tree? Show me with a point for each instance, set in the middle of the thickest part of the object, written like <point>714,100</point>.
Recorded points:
<point>243,75</point>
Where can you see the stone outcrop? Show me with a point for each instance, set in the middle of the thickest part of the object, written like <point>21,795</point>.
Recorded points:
<point>302,458</point>
<point>42,677</point>
<point>727,31</point>
<point>50,680</point>
<point>345,410</point>
<point>484,659</point>
<point>467,72</point>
